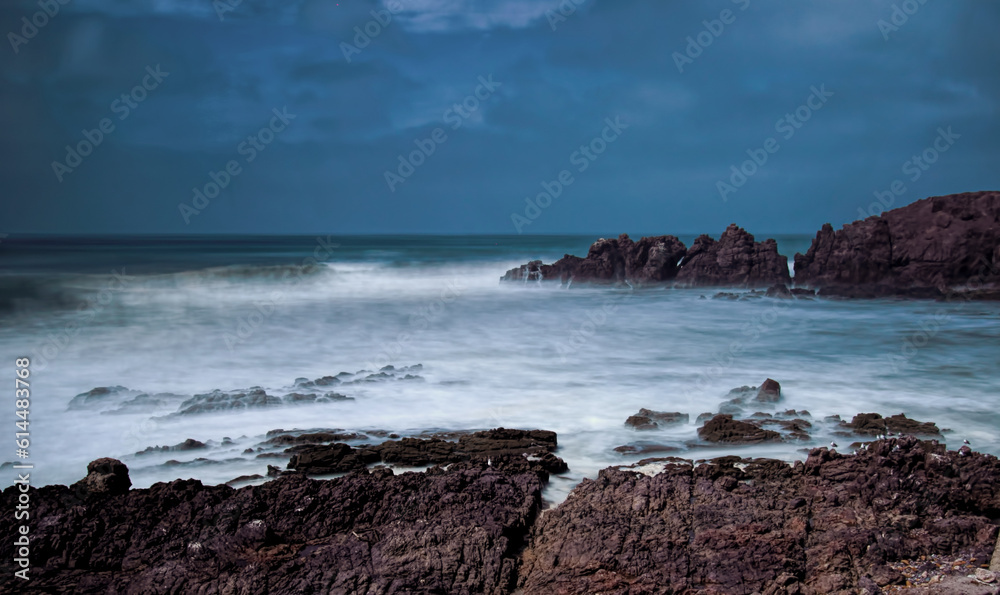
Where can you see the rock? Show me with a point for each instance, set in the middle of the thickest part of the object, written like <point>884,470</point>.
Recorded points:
<point>332,458</point>
<point>651,420</point>
<point>723,428</point>
<point>416,452</point>
<point>286,439</point>
<point>923,249</point>
<point>995,561</point>
<point>733,525</point>
<point>254,398</point>
<point>769,392</point>
<point>96,396</point>
<point>873,424</point>
<point>244,479</point>
<point>189,444</point>
<point>779,291</point>
<point>508,441</point>
<point>736,260</point>
<point>456,531</point>
<point>985,576</point>
<point>105,477</point>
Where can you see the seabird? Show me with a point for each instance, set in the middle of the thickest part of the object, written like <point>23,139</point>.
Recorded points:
<point>965,441</point>
<point>489,462</point>
<point>833,445</point>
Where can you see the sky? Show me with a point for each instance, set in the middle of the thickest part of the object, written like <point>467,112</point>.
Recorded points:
<point>489,116</point>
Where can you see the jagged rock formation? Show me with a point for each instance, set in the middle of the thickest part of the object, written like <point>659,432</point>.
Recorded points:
<point>926,248</point>
<point>735,260</point>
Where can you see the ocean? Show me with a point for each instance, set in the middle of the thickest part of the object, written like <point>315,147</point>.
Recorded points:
<point>174,317</point>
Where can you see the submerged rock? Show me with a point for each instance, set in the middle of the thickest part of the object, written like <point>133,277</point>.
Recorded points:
<point>189,444</point>
<point>723,428</point>
<point>873,424</point>
<point>651,420</point>
<point>218,400</point>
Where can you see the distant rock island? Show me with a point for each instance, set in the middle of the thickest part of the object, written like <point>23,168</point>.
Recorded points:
<point>931,248</point>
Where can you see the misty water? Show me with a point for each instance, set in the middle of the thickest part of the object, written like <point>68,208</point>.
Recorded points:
<point>185,317</point>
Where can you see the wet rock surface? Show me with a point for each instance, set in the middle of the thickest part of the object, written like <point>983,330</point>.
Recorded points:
<point>458,531</point>
<point>723,428</point>
<point>534,446</point>
<point>922,250</point>
<point>735,260</point>
<point>651,420</point>
<point>830,525</point>
<point>873,424</point>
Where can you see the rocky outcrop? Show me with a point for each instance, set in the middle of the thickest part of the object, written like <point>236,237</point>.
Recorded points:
<point>105,477</point>
<point>455,531</point>
<point>723,428</point>
<point>535,446</point>
<point>929,247</point>
<point>834,524</point>
<point>873,424</point>
<point>830,525</point>
<point>735,260</point>
<point>651,420</point>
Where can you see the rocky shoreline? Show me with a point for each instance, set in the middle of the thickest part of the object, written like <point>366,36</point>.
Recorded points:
<point>474,522</point>
<point>938,247</point>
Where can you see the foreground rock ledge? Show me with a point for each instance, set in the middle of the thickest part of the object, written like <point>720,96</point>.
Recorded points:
<point>834,524</point>
<point>829,525</point>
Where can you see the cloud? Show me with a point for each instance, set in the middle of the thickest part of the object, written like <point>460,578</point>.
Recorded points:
<point>449,16</point>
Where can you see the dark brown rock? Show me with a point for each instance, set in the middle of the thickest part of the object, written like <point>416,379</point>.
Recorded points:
<point>923,249</point>
<point>873,424</point>
<point>723,428</point>
<point>105,477</point>
<point>831,525</point>
<point>332,458</point>
<point>735,260</point>
<point>458,531</point>
<point>651,420</point>
<point>769,392</point>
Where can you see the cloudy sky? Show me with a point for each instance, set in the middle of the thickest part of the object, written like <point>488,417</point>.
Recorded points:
<point>689,110</point>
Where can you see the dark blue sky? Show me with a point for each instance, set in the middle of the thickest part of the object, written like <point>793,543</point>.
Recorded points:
<point>555,83</point>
